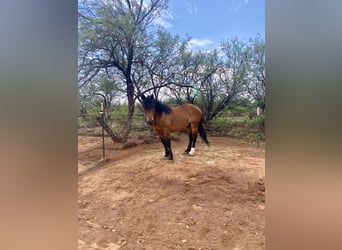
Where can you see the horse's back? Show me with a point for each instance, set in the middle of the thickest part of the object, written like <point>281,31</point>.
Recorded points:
<point>183,115</point>
<point>188,110</point>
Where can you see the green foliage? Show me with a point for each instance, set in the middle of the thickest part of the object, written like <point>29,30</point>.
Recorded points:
<point>237,123</point>
<point>89,120</point>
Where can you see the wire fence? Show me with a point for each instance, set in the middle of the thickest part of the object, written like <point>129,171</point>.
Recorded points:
<point>89,126</point>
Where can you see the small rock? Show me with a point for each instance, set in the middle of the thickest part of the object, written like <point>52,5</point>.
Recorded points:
<point>197,207</point>
<point>122,241</point>
<point>261,207</point>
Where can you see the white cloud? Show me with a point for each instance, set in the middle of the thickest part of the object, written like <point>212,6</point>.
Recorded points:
<point>168,14</point>
<point>195,8</point>
<point>191,8</point>
<point>235,5</point>
<point>200,43</point>
<point>163,22</point>
<point>164,19</point>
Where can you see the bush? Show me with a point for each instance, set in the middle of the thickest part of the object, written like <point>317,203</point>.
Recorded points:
<point>241,126</point>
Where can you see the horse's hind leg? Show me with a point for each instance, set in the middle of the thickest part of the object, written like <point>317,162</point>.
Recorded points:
<point>187,150</point>
<point>193,141</point>
<point>192,151</point>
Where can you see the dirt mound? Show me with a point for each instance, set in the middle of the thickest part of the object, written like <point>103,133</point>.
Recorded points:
<point>138,200</point>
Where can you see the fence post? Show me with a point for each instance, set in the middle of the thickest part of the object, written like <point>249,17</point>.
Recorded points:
<point>258,124</point>
<point>103,143</point>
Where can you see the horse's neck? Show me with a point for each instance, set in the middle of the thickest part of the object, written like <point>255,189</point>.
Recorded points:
<point>159,119</point>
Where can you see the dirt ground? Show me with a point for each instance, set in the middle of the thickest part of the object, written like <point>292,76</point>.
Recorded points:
<point>136,199</point>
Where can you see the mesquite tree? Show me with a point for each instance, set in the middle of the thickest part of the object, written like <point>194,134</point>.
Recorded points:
<point>255,84</point>
<point>113,35</point>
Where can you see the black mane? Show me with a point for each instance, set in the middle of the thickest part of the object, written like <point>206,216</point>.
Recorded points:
<point>150,102</point>
<point>161,108</point>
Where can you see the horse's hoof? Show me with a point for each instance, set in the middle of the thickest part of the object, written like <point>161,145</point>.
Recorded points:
<point>192,151</point>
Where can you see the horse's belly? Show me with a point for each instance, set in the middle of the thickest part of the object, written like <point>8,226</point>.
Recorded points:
<point>179,126</point>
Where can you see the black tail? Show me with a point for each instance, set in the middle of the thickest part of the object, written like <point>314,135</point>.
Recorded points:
<point>202,132</point>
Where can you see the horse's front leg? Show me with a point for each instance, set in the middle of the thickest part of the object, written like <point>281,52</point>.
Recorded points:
<point>166,137</point>
<point>163,140</point>
<point>168,145</point>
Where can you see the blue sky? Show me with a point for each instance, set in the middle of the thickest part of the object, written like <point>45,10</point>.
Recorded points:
<point>210,21</point>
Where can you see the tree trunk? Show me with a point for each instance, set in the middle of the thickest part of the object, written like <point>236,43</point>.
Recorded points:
<point>210,108</point>
<point>220,107</point>
<point>130,98</point>
<point>108,130</point>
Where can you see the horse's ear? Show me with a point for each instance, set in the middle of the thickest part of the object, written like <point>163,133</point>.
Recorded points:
<point>142,97</point>
<point>152,96</point>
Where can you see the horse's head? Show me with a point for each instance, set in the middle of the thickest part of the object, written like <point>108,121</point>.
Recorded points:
<point>149,108</point>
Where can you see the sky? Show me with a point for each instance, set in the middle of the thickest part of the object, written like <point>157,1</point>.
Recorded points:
<point>208,22</point>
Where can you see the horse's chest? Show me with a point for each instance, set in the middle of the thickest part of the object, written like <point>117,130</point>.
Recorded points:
<point>157,129</point>
<point>162,131</point>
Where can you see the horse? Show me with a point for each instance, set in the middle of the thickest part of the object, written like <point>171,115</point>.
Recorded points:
<point>165,120</point>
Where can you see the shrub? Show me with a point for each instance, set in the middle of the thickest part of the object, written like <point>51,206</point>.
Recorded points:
<point>242,126</point>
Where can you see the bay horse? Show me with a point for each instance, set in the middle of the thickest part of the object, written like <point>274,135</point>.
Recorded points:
<point>165,120</point>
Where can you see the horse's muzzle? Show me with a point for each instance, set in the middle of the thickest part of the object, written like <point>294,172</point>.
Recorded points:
<point>150,122</point>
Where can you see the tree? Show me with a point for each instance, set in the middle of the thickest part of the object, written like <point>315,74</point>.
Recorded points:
<point>100,89</point>
<point>191,72</point>
<point>159,65</point>
<point>208,85</point>
<point>226,82</point>
<point>113,37</point>
<point>109,89</point>
<point>255,86</point>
